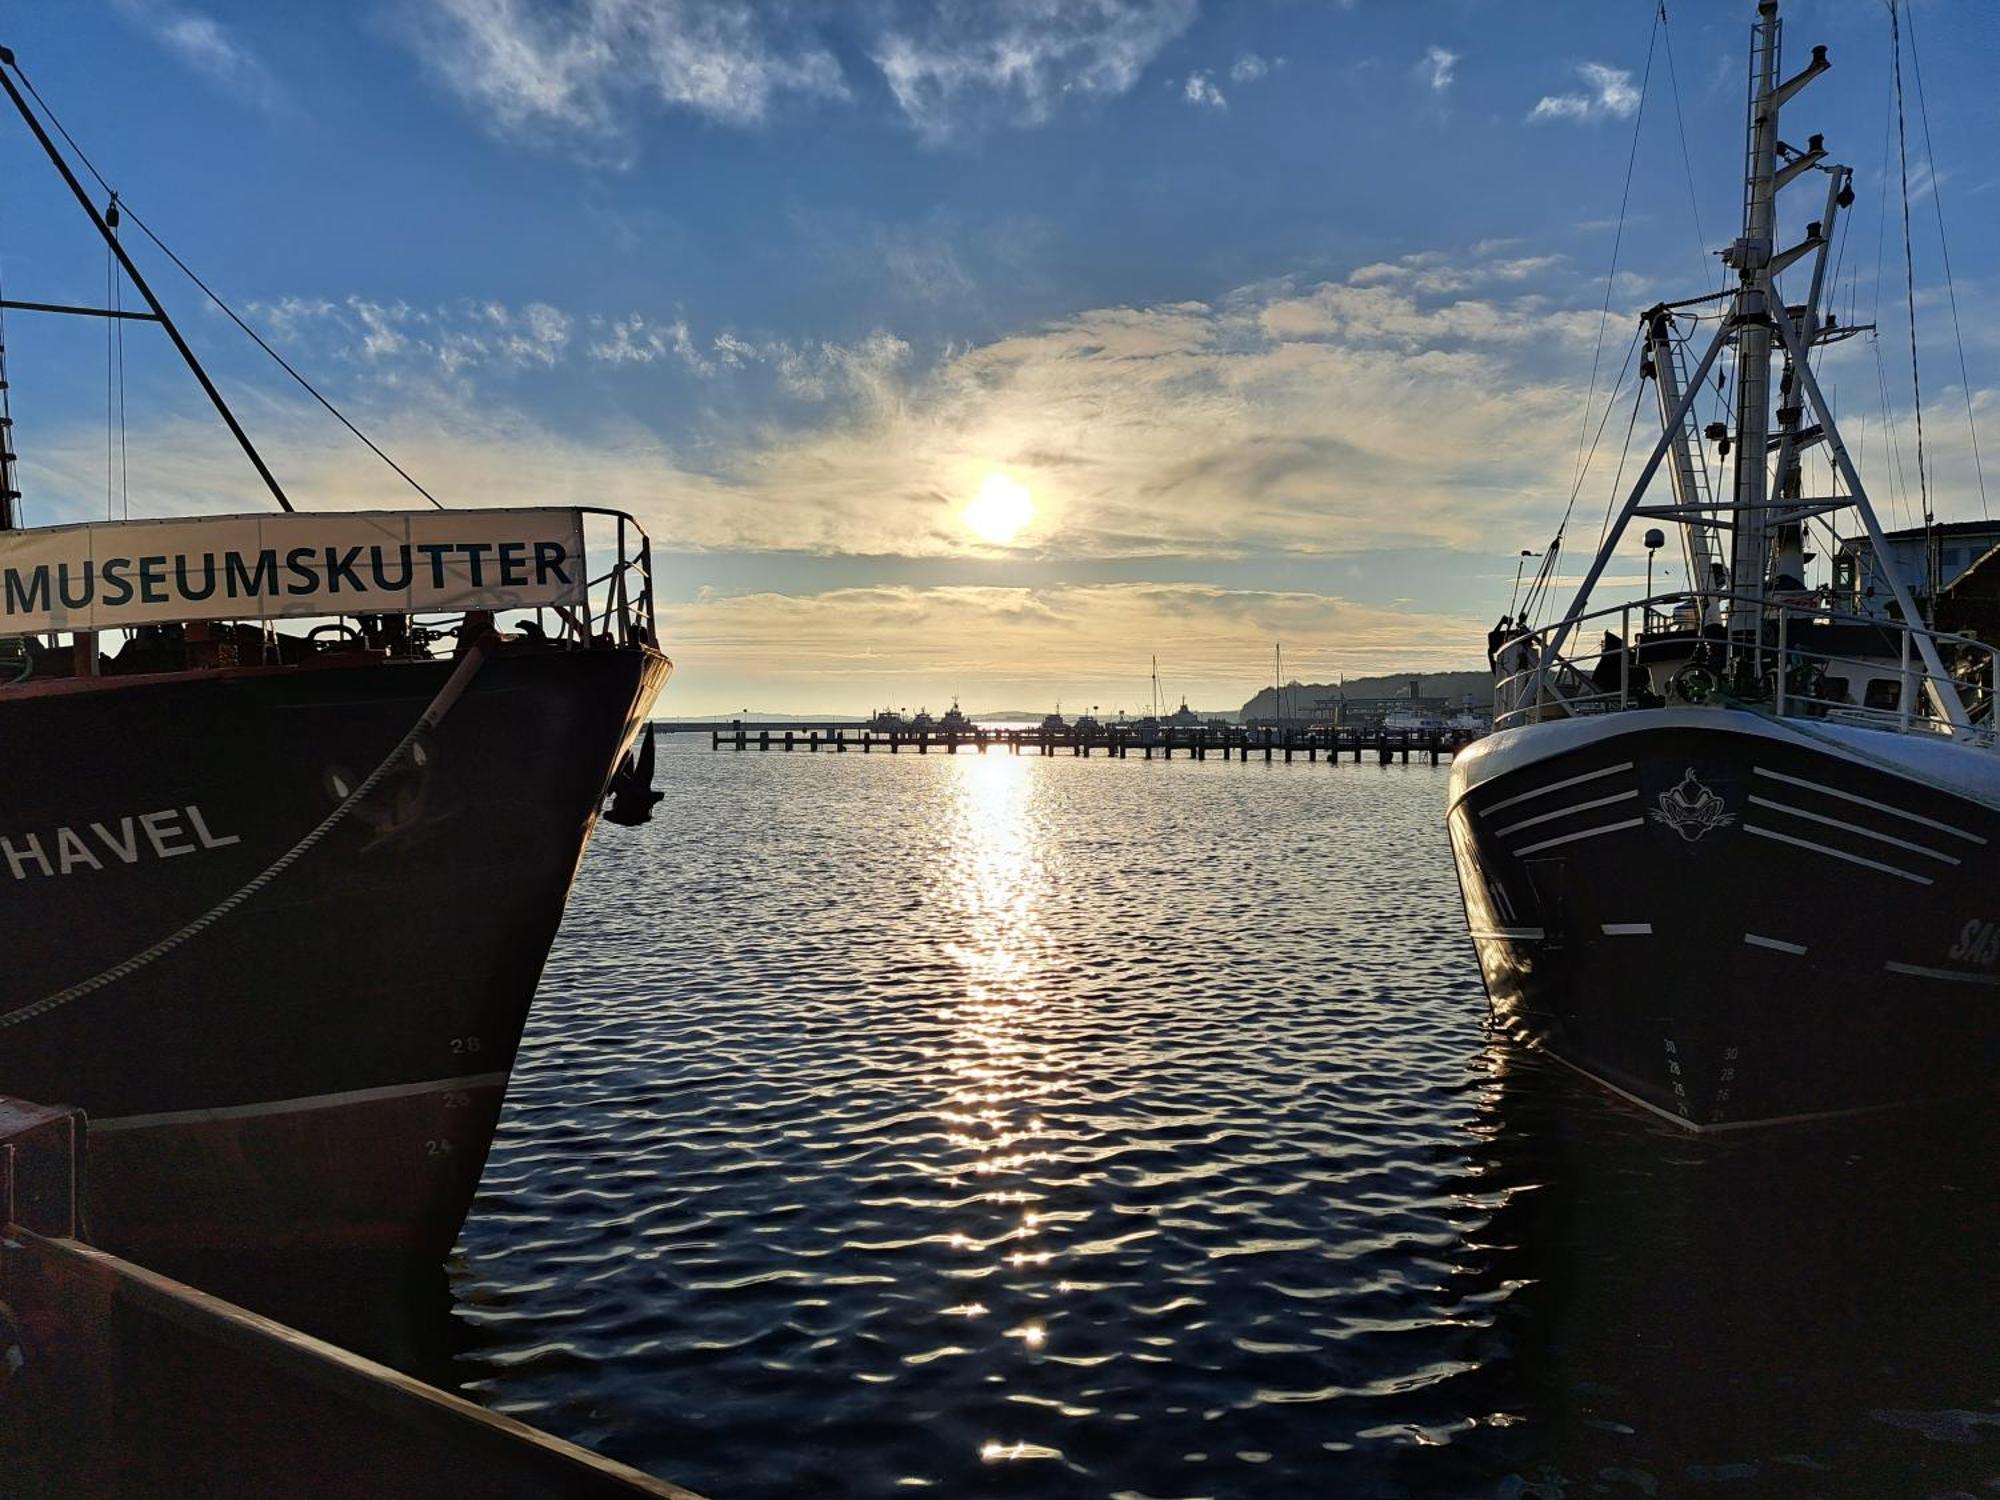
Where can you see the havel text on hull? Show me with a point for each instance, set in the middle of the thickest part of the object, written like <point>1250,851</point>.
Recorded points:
<point>292,806</point>
<point>1734,850</point>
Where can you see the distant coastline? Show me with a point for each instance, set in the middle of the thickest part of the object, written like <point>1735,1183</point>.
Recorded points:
<point>1301,700</point>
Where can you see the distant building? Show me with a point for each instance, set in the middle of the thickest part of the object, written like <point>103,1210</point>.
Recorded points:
<point>1861,582</point>
<point>1341,710</point>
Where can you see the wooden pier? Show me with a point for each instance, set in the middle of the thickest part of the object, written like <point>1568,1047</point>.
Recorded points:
<point>1385,746</point>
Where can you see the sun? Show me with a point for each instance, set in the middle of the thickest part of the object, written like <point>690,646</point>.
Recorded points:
<point>1001,508</point>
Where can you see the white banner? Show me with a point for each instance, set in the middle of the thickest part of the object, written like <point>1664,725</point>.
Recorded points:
<point>109,574</point>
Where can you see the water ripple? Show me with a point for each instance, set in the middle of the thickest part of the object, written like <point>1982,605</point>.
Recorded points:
<point>1042,1127</point>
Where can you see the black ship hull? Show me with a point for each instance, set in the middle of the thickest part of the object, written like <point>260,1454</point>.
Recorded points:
<point>322,1070</point>
<point>1734,921</point>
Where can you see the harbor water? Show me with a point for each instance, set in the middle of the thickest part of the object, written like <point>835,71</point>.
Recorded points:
<point>980,1125</point>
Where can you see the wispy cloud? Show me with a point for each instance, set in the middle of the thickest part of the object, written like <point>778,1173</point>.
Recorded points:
<point>1433,273</point>
<point>1607,94</point>
<point>574,68</point>
<point>1414,403</point>
<point>396,340</point>
<point>581,70</point>
<point>1249,67</point>
<point>1438,68</point>
<point>638,340</point>
<point>208,47</point>
<point>1020,60</point>
<point>1200,90</point>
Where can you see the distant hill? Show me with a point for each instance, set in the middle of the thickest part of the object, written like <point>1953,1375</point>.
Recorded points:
<point>1300,696</point>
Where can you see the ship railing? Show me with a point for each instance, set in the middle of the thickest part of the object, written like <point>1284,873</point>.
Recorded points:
<point>617,608</point>
<point>620,604</point>
<point>1685,652</point>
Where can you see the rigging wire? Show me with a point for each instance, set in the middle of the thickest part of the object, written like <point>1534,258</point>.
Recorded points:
<point>1576,488</point>
<point>1900,490</point>
<point>1618,478</point>
<point>1617,242</point>
<point>1944,249</point>
<point>1540,591</point>
<point>1899,487</point>
<point>1687,159</point>
<point>1909,260</point>
<point>10,499</point>
<point>283,364</point>
<point>227,310</point>
<point>110,384</point>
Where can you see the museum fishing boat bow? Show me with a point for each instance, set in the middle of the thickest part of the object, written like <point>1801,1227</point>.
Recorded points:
<point>277,899</point>
<point>1735,851</point>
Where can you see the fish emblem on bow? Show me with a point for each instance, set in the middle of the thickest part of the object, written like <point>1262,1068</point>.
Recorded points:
<point>1691,809</point>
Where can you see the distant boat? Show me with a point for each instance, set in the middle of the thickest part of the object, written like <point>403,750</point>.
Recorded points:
<point>887,721</point>
<point>1424,721</point>
<point>954,721</point>
<point>1413,721</point>
<point>1183,717</point>
<point>1055,723</point>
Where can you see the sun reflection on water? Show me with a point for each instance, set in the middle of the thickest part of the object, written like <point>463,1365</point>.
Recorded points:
<point>1000,1061</point>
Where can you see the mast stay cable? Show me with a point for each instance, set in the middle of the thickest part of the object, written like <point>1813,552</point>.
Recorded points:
<point>1944,249</point>
<point>1617,242</point>
<point>1540,588</point>
<point>1624,455</point>
<point>1687,159</point>
<point>1909,262</point>
<point>283,364</point>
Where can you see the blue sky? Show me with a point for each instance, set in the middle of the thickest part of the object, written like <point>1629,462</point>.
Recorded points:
<point>1283,312</point>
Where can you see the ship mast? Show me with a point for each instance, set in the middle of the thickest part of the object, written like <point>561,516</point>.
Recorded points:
<point>158,314</point>
<point>1750,257</point>
<point>1766,560</point>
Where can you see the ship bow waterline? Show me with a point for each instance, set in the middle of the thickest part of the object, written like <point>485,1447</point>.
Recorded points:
<point>322,1069</point>
<point>1732,922</point>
